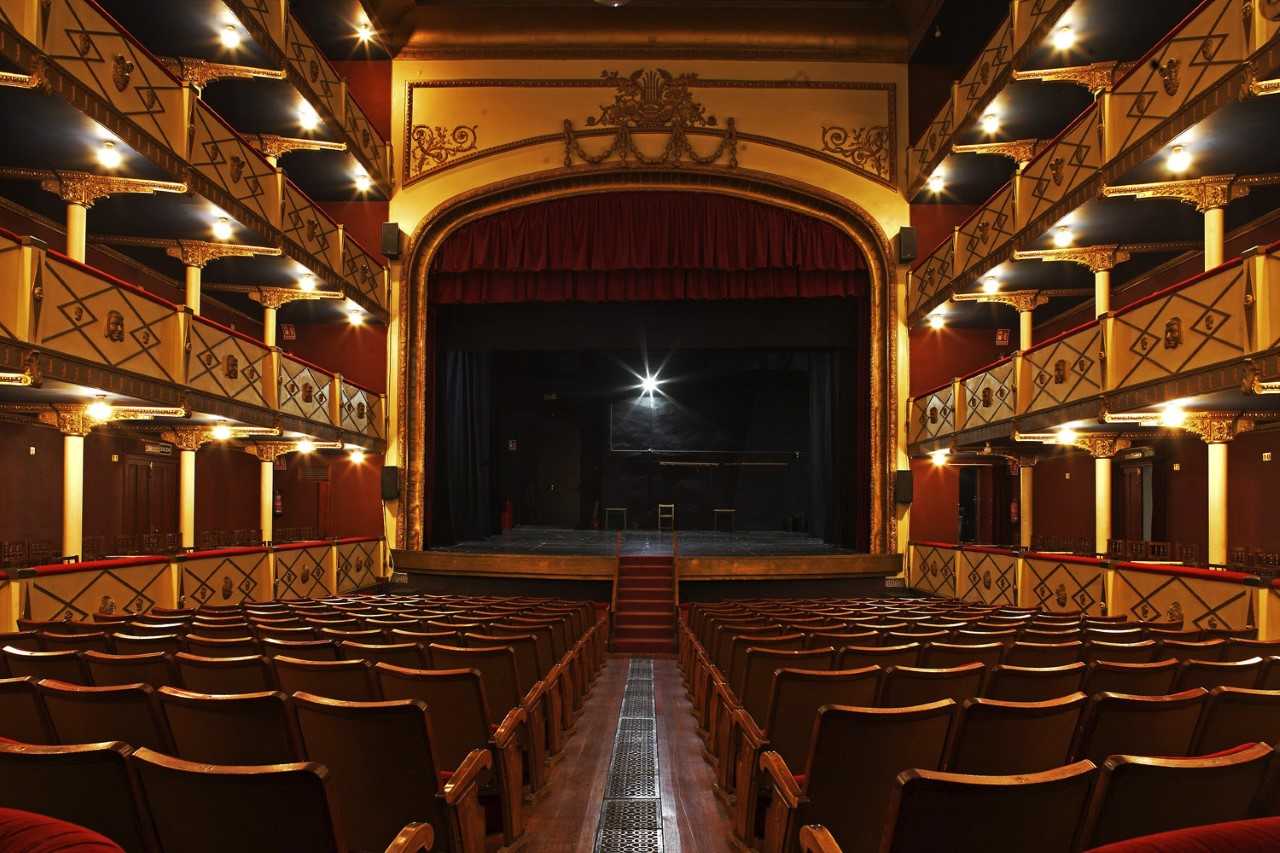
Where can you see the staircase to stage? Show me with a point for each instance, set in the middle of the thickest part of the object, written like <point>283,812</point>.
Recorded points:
<point>644,619</point>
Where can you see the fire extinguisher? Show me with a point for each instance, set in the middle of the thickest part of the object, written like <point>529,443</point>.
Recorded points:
<point>1014,512</point>
<point>508,515</point>
<point>277,503</point>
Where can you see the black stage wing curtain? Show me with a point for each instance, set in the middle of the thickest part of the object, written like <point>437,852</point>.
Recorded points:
<point>641,246</point>
<point>465,510</point>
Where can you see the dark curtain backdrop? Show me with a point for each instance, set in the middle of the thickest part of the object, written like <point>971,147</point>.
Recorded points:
<point>821,425</point>
<point>465,509</point>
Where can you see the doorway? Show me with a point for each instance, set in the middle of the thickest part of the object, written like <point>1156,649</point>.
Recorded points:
<point>149,499</point>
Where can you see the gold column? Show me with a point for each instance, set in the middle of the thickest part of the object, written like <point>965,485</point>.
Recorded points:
<point>1101,292</point>
<point>77,229</point>
<point>193,288</point>
<point>1102,447</point>
<point>1217,430</point>
<point>1026,500</point>
<point>1024,330</point>
<point>267,452</point>
<point>269,325</point>
<point>272,298</point>
<point>74,424</point>
<point>188,440</point>
<point>1214,236</point>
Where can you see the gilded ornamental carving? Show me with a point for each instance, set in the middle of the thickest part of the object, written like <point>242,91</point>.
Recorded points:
<point>868,148</point>
<point>434,145</point>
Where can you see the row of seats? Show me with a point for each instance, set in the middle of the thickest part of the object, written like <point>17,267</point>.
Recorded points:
<point>767,718</point>
<point>394,733</point>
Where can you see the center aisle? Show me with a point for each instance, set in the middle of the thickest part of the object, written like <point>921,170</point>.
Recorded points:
<point>566,819</point>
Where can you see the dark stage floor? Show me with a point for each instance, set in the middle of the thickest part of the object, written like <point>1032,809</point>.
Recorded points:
<point>692,543</point>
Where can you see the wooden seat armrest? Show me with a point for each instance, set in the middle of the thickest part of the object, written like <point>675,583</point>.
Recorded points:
<point>751,733</point>
<point>534,695</point>
<point>816,838</point>
<point>467,776</point>
<point>414,838</point>
<point>784,783</point>
<point>509,728</point>
<point>727,696</point>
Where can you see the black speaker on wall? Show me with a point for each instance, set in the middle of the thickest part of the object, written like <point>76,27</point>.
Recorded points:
<point>391,240</point>
<point>906,241</point>
<point>390,483</point>
<point>902,487</point>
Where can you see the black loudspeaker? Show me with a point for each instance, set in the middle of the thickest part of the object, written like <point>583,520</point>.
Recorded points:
<point>902,487</point>
<point>906,240</point>
<point>390,483</point>
<point>391,240</point>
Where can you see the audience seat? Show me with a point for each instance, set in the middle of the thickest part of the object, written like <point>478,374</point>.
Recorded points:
<point>1234,715</point>
<point>336,679</point>
<point>245,728</point>
<point>943,655</point>
<point>222,647</point>
<point>1034,654</point>
<point>251,674</point>
<point>1135,679</point>
<point>1260,835</point>
<point>1033,684</point>
<point>138,644</point>
<point>400,654</point>
<point>299,649</point>
<point>1001,738</point>
<point>64,666</point>
<point>857,657</point>
<point>1142,651</point>
<point>907,685</point>
<point>77,642</point>
<point>28,832</point>
<point>154,668</point>
<point>1210,674</point>
<point>126,712</point>
<point>1235,648</point>
<point>23,716</point>
<point>1117,724</point>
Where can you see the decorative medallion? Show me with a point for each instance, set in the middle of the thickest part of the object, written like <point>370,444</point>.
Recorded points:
<point>866,147</point>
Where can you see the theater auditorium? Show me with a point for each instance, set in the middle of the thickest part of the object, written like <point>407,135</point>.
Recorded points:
<point>639,426</point>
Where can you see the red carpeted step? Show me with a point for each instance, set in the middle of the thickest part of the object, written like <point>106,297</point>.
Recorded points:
<point>643,632</point>
<point>644,620</point>
<point>644,647</point>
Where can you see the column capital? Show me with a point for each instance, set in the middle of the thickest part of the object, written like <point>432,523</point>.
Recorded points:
<point>187,438</point>
<point>1095,258</point>
<point>198,253</point>
<point>84,188</point>
<point>275,297</point>
<point>1096,77</point>
<point>1020,151</point>
<point>201,72</point>
<point>270,451</point>
<point>68,419</point>
<point>1102,445</point>
<point>1207,193</point>
<point>1218,427</point>
<point>1022,300</point>
<point>272,145</point>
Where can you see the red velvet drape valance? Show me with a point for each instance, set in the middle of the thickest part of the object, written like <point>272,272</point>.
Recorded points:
<point>638,246</point>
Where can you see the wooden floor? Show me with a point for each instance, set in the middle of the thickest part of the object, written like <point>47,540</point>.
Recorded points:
<point>694,821</point>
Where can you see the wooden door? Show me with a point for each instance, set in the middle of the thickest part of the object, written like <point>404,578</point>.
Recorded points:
<point>149,503</point>
<point>1133,502</point>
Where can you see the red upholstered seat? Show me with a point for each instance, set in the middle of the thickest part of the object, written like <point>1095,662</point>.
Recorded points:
<point>34,833</point>
<point>1241,836</point>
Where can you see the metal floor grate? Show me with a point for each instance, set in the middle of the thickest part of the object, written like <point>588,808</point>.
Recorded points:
<point>631,815</point>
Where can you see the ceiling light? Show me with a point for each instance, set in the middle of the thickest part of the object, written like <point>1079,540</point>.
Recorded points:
<point>364,31</point>
<point>355,317</point>
<point>1179,159</point>
<point>1173,416</point>
<point>1062,237</point>
<point>357,456</point>
<point>1066,436</point>
<point>305,445</point>
<point>229,36</point>
<point>990,284</point>
<point>221,432</point>
<point>990,123</point>
<point>222,228</point>
<point>109,157</point>
<point>939,457</point>
<point>937,321</point>
<point>308,118</point>
<point>99,410</point>
<point>363,182</point>
<point>937,181</point>
<point>1064,38</point>
<point>307,282</point>
<point>648,384</point>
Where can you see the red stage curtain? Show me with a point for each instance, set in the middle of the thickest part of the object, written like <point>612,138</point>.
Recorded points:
<point>637,246</point>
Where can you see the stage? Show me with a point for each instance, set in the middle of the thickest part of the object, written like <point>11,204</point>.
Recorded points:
<point>560,553</point>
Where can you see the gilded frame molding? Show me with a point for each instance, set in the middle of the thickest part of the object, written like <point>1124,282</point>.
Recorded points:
<point>747,184</point>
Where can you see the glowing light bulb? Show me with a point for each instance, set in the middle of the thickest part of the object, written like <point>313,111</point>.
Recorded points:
<point>1066,436</point>
<point>357,456</point>
<point>990,284</point>
<point>990,123</point>
<point>109,157</point>
<point>229,36</point>
<point>937,321</point>
<point>99,410</point>
<point>1179,159</point>
<point>307,282</point>
<point>939,457</point>
<point>222,228</point>
<point>221,432</point>
<point>355,317</point>
<point>649,384</point>
<point>363,182</point>
<point>305,445</point>
<point>1063,237</point>
<point>1063,38</point>
<point>1173,416</point>
<point>364,31</point>
<point>937,182</point>
<point>308,118</point>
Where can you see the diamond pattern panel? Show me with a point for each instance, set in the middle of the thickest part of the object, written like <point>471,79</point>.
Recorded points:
<point>1031,13</point>
<point>360,269</point>
<point>370,146</point>
<point>225,580</point>
<point>1199,603</point>
<point>1057,586</point>
<point>304,391</point>
<point>933,414</point>
<point>102,322</point>
<point>307,60</point>
<point>357,565</point>
<point>361,411</point>
<point>226,364</point>
<point>933,570</point>
<point>1199,325</point>
<point>10,269</point>
<point>300,573</point>
<point>76,596</point>
<point>89,46</point>
<point>307,226</point>
<point>989,578</point>
<point>990,396</point>
<point>1207,48</point>
<point>222,156</point>
<point>1074,157</point>
<point>985,71</point>
<point>936,135</point>
<point>266,14</point>
<point>1069,369</point>
<point>987,230</point>
<point>928,279</point>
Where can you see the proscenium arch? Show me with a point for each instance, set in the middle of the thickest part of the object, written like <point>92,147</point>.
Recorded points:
<point>746,184</point>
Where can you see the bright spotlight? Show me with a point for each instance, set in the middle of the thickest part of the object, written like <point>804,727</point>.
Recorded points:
<point>990,123</point>
<point>937,182</point>
<point>355,317</point>
<point>307,282</point>
<point>308,118</point>
<point>305,445</point>
<point>649,384</point>
<point>364,31</point>
<point>990,284</point>
<point>363,182</point>
<point>357,456</point>
<point>1179,159</point>
<point>937,320</point>
<point>222,228</point>
<point>229,36</point>
<point>109,157</point>
<point>939,457</point>
<point>1173,416</point>
<point>1063,237</point>
<point>1066,436</point>
<point>99,410</point>
<point>221,432</point>
<point>1064,38</point>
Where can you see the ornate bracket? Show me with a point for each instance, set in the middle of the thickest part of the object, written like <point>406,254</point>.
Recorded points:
<point>1097,77</point>
<point>1020,151</point>
<point>201,72</point>
<point>1096,258</point>
<point>1220,427</point>
<point>1253,384</point>
<point>274,146</point>
<point>1101,445</point>
<point>1022,300</point>
<point>275,297</point>
<point>68,419</point>
<point>1264,87</point>
<point>192,253</point>
<point>84,188</point>
<point>187,438</point>
<point>270,451</point>
<point>1205,193</point>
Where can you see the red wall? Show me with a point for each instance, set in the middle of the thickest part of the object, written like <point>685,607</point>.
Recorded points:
<point>362,220</point>
<point>369,82</point>
<point>347,504</point>
<point>31,502</point>
<point>939,355</point>
<point>1251,490</point>
<point>936,498</point>
<point>1063,495</point>
<point>359,353</point>
<point>934,222</point>
<point>226,488</point>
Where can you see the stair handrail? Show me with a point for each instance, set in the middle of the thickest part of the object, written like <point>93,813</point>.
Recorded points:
<point>675,571</point>
<point>617,571</point>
